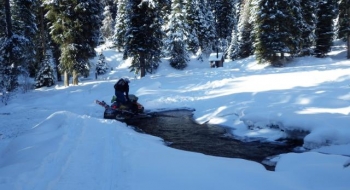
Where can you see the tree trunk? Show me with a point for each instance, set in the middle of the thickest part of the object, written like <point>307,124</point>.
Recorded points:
<point>75,78</point>
<point>66,78</point>
<point>348,43</point>
<point>42,31</point>
<point>56,56</point>
<point>348,33</point>
<point>8,19</point>
<point>142,65</point>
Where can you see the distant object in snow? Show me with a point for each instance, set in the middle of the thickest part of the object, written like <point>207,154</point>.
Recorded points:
<point>216,60</point>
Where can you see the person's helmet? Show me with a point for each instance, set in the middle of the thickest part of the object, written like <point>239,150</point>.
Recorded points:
<point>126,80</point>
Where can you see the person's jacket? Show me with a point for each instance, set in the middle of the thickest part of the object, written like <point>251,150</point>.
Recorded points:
<point>122,86</point>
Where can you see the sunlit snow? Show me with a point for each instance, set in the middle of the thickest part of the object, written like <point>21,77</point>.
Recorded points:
<point>56,137</point>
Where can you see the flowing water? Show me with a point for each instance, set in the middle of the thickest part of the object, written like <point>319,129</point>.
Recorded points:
<point>179,131</point>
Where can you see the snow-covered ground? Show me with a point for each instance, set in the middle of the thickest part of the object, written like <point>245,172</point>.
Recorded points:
<point>56,138</point>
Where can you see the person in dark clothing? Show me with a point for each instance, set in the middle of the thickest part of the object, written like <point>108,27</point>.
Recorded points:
<point>121,87</point>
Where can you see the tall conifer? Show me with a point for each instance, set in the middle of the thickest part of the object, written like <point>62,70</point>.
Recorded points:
<point>206,30</point>
<point>24,24</point>
<point>192,40</point>
<point>328,9</point>
<point>120,26</point>
<point>275,38</point>
<point>344,19</point>
<point>11,56</point>
<point>108,23</point>
<point>143,36</point>
<point>309,10</point>
<point>177,32</point>
<point>75,27</point>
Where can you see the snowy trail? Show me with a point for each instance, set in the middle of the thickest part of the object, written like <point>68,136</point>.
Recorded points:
<point>102,163</point>
<point>84,149</point>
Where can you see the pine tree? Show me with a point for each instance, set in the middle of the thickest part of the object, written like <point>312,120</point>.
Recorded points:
<point>108,23</point>
<point>328,9</point>
<point>344,19</point>
<point>120,26</point>
<point>101,67</point>
<point>192,22</point>
<point>165,8</point>
<point>88,16</point>
<point>225,20</point>
<point>10,54</point>
<point>45,76</point>
<point>309,9</point>
<point>143,40</point>
<point>2,19</point>
<point>296,24</point>
<point>242,42</point>
<point>112,4</point>
<point>75,27</point>
<point>24,24</point>
<point>205,25</point>
<point>2,23</point>
<point>269,40</point>
<point>275,38</point>
<point>344,23</point>
<point>42,41</point>
<point>225,13</point>
<point>177,32</point>
<point>60,15</point>
<point>245,40</point>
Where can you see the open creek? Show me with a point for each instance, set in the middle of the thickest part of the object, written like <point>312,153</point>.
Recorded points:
<point>179,131</point>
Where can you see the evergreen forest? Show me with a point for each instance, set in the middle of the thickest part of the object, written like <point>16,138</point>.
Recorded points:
<point>53,40</point>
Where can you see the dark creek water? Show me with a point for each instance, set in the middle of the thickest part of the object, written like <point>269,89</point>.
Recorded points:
<point>179,131</point>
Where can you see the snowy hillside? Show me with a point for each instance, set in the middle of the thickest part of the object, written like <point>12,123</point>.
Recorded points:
<point>56,138</point>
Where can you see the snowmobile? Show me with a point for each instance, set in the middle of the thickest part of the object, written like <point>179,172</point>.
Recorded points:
<point>122,112</point>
